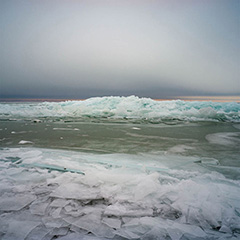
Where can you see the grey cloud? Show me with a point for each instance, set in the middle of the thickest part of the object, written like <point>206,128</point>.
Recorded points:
<point>81,49</point>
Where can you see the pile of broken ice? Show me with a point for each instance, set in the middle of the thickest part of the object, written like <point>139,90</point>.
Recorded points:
<point>131,107</point>
<point>141,200</point>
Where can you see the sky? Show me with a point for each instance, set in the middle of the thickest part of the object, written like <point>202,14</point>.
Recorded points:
<point>85,48</point>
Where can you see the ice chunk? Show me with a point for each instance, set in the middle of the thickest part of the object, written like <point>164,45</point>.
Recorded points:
<point>25,142</point>
<point>66,129</point>
<point>156,232</point>
<point>146,186</point>
<point>38,233</point>
<point>38,208</point>
<point>42,190</point>
<point>60,231</point>
<point>112,222</point>
<point>15,203</point>
<point>19,229</point>
<point>166,211</point>
<point>207,112</point>
<point>56,213</point>
<point>70,220</point>
<point>76,236</point>
<point>74,213</point>
<point>5,187</point>
<point>126,219</point>
<point>132,222</point>
<point>175,234</point>
<point>174,229</point>
<point>49,222</point>
<point>127,211</point>
<point>68,208</point>
<point>76,191</point>
<point>225,229</point>
<point>185,228</point>
<point>126,234</point>
<point>92,223</point>
<point>59,203</point>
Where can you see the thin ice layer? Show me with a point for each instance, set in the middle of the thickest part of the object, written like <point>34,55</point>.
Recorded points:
<point>76,191</point>
<point>15,202</point>
<point>177,198</point>
<point>225,138</point>
<point>19,229</point>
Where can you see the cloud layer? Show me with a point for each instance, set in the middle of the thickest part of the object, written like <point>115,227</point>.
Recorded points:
<point>148,48</point>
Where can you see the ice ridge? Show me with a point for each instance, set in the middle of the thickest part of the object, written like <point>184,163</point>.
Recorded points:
<point>114,202</point>
<point>126,108</point>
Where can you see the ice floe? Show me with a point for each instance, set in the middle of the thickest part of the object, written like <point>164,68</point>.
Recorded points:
<point>161,197</point>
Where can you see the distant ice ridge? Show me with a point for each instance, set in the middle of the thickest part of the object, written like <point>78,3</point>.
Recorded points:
<point>131,107</point>
<point>120,196</point>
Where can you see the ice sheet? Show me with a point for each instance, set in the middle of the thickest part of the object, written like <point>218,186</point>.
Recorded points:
<point>122,210</point>
<point>19,229</point>
<point>123,200</point>
<point>38,208</point>
<point>112,222</point>
<point>76,191</point>
<point>15,202</point>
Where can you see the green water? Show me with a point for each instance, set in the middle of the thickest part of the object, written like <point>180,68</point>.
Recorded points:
<point>184,138</point>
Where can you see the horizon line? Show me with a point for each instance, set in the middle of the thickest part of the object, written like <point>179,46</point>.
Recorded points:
<point>219,98</point>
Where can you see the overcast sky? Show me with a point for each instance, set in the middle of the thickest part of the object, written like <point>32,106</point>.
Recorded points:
<point>80,49</point>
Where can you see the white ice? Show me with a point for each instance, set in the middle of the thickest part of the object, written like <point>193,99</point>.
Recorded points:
<point>225,138</point>
<point>131,107</point>
<point>15,202</point>
<point>18,230</point>
<point>177,198</point>
<point>75,191</point>
<point>25,142</point>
